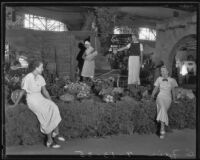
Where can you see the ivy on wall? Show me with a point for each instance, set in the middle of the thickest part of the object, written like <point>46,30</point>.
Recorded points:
<point>105,23</point>
<point>107,19</point>
<point>89,19</point>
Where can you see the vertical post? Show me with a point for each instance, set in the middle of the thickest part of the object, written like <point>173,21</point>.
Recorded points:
<point>55,54</point>
<point>13,15</point>
<point>95,42</point>
<point>72,54</point>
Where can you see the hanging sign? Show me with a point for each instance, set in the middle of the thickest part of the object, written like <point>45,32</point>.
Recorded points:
<point>120,39</point>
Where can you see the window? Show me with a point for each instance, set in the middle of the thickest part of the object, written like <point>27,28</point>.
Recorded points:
<point>147,34</point>
<point>123,30</point>
<point>43,23</point>
<point>144,33</point>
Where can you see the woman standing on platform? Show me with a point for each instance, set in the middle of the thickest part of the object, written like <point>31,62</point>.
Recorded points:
<point>135,51</point>
<point>89,61</point>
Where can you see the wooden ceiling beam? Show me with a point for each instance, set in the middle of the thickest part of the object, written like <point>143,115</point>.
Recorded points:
<point>187,8</point>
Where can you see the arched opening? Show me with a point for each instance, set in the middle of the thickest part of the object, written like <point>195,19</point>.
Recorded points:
<point>183,58</point>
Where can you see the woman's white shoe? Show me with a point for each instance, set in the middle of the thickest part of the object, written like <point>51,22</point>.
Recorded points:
<point>162,134</point>
<point>52,145</point>
<point>60,138</point>
<point>54,134</point>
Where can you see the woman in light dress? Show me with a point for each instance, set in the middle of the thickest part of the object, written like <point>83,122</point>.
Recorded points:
<point>89,61</point>
<point>40,103</point>
<point>165,85</point>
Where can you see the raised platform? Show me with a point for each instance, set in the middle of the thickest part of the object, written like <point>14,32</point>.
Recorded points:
<point>121,80</point>
<point>189,86</point>
<point>107,73</point>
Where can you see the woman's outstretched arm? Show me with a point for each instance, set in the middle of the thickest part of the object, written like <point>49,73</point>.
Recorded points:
<point>123,48</point>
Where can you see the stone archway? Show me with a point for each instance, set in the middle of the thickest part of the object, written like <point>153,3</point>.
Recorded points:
<point>182,47</point>
<point>168,38</point>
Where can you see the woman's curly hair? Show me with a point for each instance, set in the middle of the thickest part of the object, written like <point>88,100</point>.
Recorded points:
<point>34,64</point>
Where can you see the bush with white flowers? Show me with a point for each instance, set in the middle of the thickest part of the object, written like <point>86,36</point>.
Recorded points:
<point>81,90</point>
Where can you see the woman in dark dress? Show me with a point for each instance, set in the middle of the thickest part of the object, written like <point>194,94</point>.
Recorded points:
<point>80,59</point>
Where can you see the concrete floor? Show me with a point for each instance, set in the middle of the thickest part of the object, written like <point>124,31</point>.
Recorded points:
<point>178,144</point>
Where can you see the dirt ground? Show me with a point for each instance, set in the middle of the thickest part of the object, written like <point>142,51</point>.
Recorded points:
<point>177,144</point>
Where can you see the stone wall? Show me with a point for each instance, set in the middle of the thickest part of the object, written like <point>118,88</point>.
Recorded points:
<point>60,48</point>
<point>169,33</point>
<point>51,47</point>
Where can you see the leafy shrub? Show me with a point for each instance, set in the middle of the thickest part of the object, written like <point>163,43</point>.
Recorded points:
<point>183,114</point>
<point>89,118</point>
<point>21,126</point>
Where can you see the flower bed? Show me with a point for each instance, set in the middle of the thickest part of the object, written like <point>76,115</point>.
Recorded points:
<point>89,118</point>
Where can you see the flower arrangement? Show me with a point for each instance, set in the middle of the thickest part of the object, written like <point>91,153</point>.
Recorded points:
<point>80,89</point>
<point>108,99</point>
<point>106,90</point>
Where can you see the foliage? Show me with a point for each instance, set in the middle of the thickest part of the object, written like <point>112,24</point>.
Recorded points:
<point>183,114</point>
<point>89,118</point>
<point>147,73</point>
<point>126,22</point>
<point>105,88</point>
<point>81,90</point>
<point>105,22</point>
<point>107,19</point>
<point>119,61</point>
<point>22,126</point>
<point>12,81</point>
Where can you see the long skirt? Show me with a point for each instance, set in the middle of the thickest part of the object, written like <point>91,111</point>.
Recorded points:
<point>46,111</point>
<point>88,69</point>
<point>163,102</point>
<point>134,70</point>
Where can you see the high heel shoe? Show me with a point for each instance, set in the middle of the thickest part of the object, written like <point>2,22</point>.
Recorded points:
<point>60,138</point>
<point>54,134</point>
<point>52,145</point>
<point>162,134</point>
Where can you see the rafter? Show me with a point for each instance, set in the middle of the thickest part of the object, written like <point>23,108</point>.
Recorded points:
<point>187,8</point>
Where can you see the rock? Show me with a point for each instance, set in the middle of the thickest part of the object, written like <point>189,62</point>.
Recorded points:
<point>190,95</point>
<point>182,93</point>
<point>145,93</point>
<point>118,90</point>
<point>67,97</point>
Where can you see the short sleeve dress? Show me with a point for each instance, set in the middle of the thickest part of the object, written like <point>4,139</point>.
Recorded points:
<point>46,110</point>
<point>89,63</point>
<point>164,97</point>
